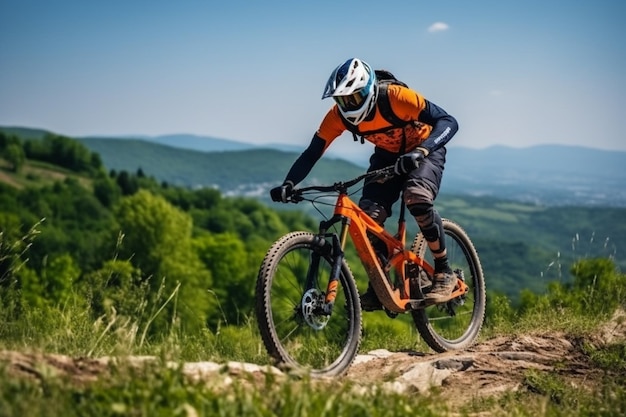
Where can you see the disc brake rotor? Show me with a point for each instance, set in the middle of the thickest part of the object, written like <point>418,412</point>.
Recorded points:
<point>312,306</point>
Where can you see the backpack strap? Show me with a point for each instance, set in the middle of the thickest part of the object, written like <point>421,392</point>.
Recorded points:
<point>353,129</point>
<point>384,106</point>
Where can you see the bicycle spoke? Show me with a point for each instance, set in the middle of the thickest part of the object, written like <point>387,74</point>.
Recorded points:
<point>457,323</point>
<point>292,320</point>
<point>284,338</point>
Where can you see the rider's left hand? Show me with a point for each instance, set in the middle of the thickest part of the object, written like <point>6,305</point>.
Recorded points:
<point>282,193</point>
<point>408,162</point>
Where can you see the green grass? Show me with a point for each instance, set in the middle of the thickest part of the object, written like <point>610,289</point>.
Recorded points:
<point>545,394</point>
<point>163,391</point>
<point>37,173</point>
<point>159,390</point>
<point>74,329</point>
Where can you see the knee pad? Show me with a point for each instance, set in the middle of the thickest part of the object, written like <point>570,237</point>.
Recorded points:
<point>374,210</point>
<point>421,210</point>
<point>418,194</point>
<point>427,219</point>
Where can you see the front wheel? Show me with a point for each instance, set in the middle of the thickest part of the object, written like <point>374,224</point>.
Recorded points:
<point>290,293</point>
<point>456,323</point>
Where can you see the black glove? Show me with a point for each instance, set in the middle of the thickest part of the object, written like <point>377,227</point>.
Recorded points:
<point>282,193</point>
<point>408,162</point>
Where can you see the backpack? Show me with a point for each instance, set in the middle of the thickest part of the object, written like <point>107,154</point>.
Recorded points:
<point>384,79</point>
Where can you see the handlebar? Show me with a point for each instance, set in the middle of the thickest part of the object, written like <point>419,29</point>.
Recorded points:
<point>380,175</point>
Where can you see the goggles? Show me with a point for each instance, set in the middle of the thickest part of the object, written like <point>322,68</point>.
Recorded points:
<point>352,102</point>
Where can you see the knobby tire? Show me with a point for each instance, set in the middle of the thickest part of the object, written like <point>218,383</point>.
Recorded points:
<point>324,348</point>
<point>441,330</point>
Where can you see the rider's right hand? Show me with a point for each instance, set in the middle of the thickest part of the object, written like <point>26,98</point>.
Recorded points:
<point>282,193</point>
<point>409,161</point>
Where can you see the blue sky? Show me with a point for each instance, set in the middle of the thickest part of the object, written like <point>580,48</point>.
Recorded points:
<point>515,73</point>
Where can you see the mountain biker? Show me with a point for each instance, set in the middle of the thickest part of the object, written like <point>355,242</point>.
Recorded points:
<point>416,148</point>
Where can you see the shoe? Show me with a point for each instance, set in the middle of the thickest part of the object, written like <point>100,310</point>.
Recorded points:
<point>443,286</point>
<point>370,301</point>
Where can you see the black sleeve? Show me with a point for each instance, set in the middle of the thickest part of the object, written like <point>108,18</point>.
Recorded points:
<point>444,126</point>
<point>305,162</point>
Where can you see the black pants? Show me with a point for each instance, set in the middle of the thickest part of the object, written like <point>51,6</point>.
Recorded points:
<point>420,186</point>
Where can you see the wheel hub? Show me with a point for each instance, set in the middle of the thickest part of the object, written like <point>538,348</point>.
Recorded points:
<point>312,308</point>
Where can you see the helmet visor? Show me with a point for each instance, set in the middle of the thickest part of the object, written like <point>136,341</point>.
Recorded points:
<point>352,102</point>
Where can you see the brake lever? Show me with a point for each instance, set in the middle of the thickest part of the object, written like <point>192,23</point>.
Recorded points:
<point>383,177</point>
<point>296,197</point>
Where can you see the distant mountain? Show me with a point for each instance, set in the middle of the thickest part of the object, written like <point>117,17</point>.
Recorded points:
<point>182,141</point>
<point>191,142</point>
<point>25,132</point>
<point>247,172</point>
<point>543,175</point>
<point>211,144</point>
<point>551,175</point>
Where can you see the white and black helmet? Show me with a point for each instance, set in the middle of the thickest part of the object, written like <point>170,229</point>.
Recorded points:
<point>353,86</point>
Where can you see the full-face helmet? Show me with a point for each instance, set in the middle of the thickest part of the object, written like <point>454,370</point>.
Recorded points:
<point>353,87</point>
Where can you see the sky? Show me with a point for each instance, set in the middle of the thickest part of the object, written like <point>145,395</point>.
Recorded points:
<point>513,73</point>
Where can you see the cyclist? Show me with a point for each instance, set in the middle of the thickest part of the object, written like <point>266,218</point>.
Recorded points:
<point>416,148</point>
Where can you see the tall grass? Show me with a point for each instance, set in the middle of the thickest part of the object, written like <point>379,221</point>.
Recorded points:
<point>75,328</point>
<point>72,329</point>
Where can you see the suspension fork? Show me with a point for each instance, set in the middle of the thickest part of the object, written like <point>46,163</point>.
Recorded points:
<point>337,245</point>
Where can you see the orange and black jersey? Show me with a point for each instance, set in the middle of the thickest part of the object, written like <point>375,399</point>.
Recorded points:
<point>428,126</point>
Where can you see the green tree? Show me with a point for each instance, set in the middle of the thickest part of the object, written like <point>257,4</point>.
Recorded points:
<point>58,277</point>
<point>106,190</point>
<point>31,289</point>
<point>128,184</point>
<point>18,282</point>
<point>14,246</point>
<point>117,286</point>
<point>76,223</point>
<point>598,286</point>
<point>10,237</point>
<point>157,240</point>
<point>7,140</point>
<point>63,151</point>
<point>233,280</point>
<point>14,153</point>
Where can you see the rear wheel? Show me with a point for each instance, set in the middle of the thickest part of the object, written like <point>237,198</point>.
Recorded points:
<point>456,323</point>
<point>289,306</point>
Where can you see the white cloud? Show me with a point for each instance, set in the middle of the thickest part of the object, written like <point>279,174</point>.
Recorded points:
<point>438,27</point>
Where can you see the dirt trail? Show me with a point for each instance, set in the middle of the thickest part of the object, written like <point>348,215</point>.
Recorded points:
<point>494,366</point>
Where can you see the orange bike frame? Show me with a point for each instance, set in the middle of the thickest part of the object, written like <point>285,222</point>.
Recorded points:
<point>358,224</point>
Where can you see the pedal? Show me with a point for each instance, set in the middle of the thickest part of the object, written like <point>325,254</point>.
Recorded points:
<point>418,304</point>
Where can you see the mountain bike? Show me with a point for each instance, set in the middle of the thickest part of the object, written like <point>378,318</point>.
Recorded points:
<point>307,304</point>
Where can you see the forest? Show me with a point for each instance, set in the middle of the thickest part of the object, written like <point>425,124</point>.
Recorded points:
<point>117,238</point>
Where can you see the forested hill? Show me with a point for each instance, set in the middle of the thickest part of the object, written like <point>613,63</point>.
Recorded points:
<point>194,162</point>
<point>545,175</point>
<point>542,175</point>
<point>522,246</point>
<point>248,173</point>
